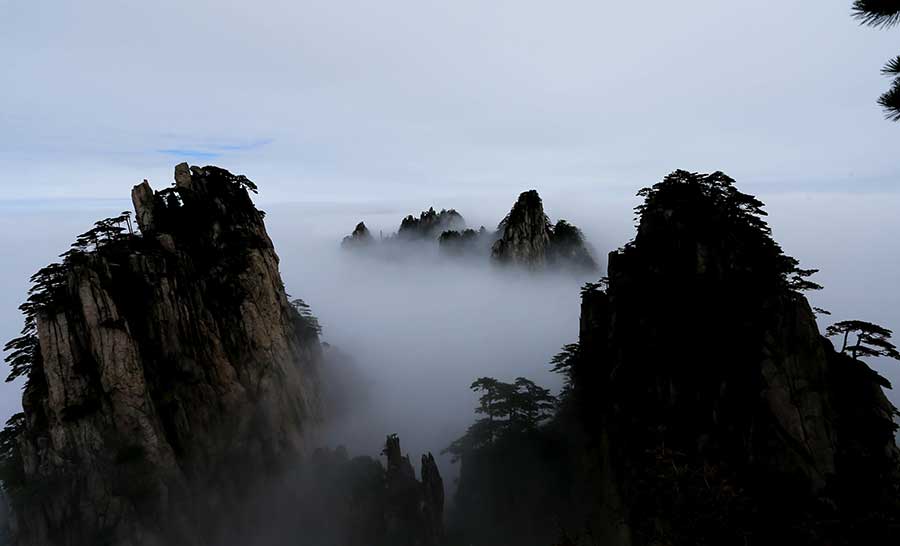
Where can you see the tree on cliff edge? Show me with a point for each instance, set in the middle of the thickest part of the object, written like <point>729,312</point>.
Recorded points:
<point>306,320</point>
<point>509,408</point>
<point>708,205</point>
<point>871,339</point>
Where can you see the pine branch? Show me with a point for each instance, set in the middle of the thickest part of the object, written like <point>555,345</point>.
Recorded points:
<point>877,13</point>
<point>890,102</point>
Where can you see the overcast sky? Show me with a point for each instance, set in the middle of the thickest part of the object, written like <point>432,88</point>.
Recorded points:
<point>345,100</point>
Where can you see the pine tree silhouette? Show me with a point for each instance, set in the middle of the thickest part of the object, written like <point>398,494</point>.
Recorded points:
<point>883,14</point>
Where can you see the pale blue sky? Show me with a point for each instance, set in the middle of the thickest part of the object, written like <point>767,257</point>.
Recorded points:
<point>325,100</point>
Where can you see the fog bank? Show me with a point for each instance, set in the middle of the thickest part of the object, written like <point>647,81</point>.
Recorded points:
<point>419,329</point>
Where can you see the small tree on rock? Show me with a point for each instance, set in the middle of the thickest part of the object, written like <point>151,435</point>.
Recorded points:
<point>564,363</point>
<point>305,317</point>
<point>872,340</point>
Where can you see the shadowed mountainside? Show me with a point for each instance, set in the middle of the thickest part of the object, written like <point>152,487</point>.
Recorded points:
<point>702,404</point>
<point>719,412</point>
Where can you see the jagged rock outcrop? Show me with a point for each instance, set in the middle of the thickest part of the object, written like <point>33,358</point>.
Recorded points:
<point>430,224</point>
<point>528,239</point>
<point>171,373</point>
<point>524,233</point>
<point>432,507</point>
<point>360,238</point>
<point>414,510</point>
<point>718,413</point>
<point>525,238</point>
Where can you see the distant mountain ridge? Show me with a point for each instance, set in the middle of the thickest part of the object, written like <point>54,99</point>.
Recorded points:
<point>524,239</point>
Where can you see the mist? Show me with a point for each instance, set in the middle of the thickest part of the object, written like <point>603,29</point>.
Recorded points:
<point>418,328</point>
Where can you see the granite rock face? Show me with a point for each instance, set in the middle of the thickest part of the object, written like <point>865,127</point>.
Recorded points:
<point>527,239</point>
<point>172,372</point>
<point>524,233</point>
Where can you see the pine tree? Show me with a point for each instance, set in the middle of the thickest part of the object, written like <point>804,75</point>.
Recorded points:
<point>872,340</point>
<point>307,321</point>
<point>12,474</point>
<point>883,14</point>
<point>508,408</point>
<point>564,363</point>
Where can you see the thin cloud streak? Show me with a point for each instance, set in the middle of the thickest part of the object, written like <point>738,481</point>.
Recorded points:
<point>191,154</point>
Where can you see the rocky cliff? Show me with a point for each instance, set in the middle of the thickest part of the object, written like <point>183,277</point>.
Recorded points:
<point>524,233</point>
<point>718,413</point>
<point>166,372</point>
<point>526,238</point>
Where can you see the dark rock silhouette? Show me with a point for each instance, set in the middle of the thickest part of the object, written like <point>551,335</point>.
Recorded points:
<point>172,371</point>
<point>430,224</point>
<point>341,501</point>
<point>712,400</point>
<point>360,238</point>
<point>701,404</point>
<point>414,510</point>
<point>432,502</point>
